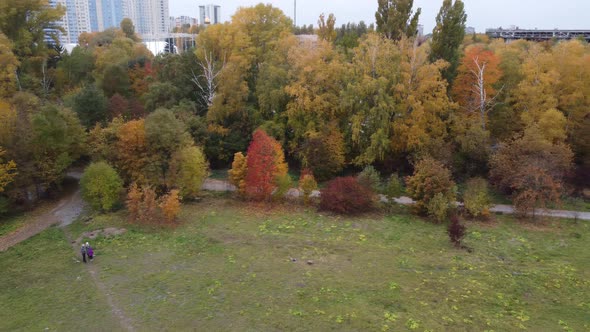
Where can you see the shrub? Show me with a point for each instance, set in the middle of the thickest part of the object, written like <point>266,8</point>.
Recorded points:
<point>142,204</point>
<point>395,187</point>
<point>477,198</point>
<point>133,202</point>
<point>439,206</point>
<point>170,205</point>
<point>456,231</point>
<point>346,196</point>
<point>101,186</point>
<point>238,171</point>
<point>430,178</point>
<point>308,184</point>
<point>284,183</point>
<point>148,212</point>
<point>371,178</point>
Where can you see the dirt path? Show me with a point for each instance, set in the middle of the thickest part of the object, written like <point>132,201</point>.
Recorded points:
<point>220,185</point>
<point>66,211</point>
<point>93,270</point>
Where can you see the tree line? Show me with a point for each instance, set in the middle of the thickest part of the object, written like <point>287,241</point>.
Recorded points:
<point>515,114</point>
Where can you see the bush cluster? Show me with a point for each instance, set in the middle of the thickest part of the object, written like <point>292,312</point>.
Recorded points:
<point>345,195</point>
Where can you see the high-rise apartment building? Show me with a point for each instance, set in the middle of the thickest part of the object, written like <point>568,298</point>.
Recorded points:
<point>75,21</point>
<point>106,14</point>
<point>150,17</point>
<point>210,14</point>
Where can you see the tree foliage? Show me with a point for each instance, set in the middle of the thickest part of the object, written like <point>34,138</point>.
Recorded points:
<point>326,28</point>
<point>476,198</point>
<point>532,168</point>
<point>238,171</point>
<point>430,178</point>
<point>188,170</point>
<point>266,164</point>
<point>7,171</point>
<point>101,186</point>
<point>170,205</point>
<point>394,19</point>
<point>91,106</point>
<point>447,37</point>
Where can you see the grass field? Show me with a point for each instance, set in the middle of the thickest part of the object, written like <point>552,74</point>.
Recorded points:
<point>231,266</point>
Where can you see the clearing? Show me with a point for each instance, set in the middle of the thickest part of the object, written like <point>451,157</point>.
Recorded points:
<point>232,266</point>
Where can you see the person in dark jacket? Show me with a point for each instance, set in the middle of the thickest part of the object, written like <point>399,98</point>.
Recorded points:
<point>89,251</point>
<point>83,252</point>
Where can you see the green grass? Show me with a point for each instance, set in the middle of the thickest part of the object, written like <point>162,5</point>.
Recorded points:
<point>228,267</point>
<point>44,288</point>
<point>12,223</point>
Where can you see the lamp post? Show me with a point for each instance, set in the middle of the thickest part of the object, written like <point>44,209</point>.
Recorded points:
<point>295,11</point>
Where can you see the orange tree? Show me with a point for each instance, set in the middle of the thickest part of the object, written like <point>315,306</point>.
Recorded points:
<point>266,164</point>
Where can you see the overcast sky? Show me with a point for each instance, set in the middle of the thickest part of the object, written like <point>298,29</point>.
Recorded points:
<point>481,14</point>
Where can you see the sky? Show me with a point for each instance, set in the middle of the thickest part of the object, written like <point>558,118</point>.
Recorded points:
<point>481,14</point>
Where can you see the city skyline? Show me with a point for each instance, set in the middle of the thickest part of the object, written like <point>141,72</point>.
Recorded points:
<point>542,14</point>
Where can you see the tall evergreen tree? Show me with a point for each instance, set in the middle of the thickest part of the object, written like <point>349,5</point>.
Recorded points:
<point>447,36</point>
<point>394,18</point>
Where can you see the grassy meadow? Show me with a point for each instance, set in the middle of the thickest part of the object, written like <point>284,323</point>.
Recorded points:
<point>233,266</point>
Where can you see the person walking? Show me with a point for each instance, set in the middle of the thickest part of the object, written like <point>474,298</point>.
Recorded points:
<point>89,251</point>
<point>83,251</point>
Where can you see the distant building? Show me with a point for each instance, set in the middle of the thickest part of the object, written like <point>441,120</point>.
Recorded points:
<point>469,30</point>
<point>514,33</point>
<point>210,14</point>
<point>420,30</point>
<point>180,21</point>
<point>150,17</point>
<point>74,22</point>
<point>106,14</point>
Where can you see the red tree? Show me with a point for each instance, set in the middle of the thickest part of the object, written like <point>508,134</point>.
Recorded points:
<point>118,106</point>
<point>266,162</point>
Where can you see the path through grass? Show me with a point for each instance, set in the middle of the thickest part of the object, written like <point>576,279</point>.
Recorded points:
<point>236,267</point>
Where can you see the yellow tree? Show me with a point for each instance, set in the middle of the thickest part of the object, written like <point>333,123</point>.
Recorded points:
<point>421,103</point>
<point>7,171</point>
<point>317,78</point>
<point>8,66</point>
<point>238,171</point>
<point>132,151</point>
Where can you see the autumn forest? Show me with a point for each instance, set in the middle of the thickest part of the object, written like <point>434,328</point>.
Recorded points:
<point>264,99</point>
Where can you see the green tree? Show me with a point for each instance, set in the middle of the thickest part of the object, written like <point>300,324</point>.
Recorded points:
<point>101,186</point>
<point>90,104</point>
<point>394,19</point>
<point>128,28</point>
<point>164,135</point>
<point>447,37</point>
<point>160,94</point>
<point>115,80</point>
<point>26,23</point>
<point>188,171</point>
<point>58,140</point>
<point>74,69</point>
